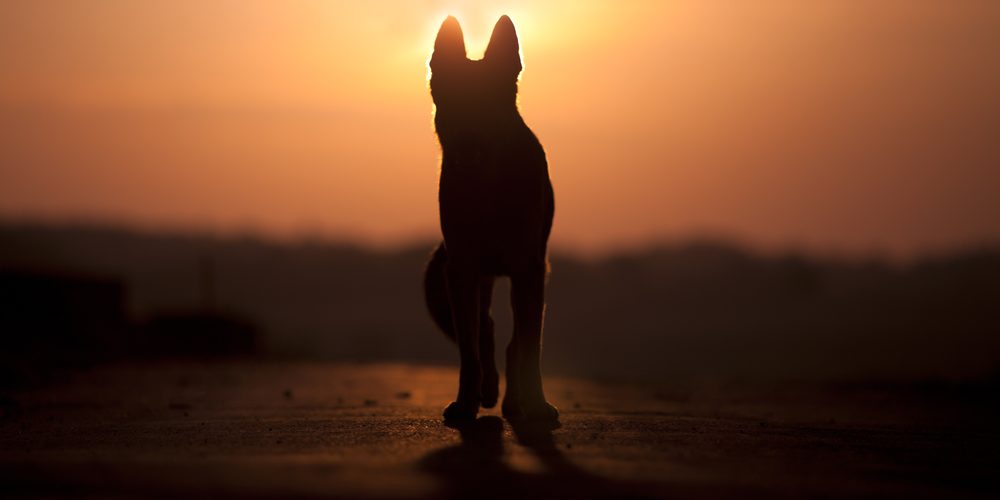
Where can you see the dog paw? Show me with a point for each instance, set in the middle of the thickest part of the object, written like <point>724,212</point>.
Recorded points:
<point>459,411</point>
<point>541,412</point>
<point>511,409</point>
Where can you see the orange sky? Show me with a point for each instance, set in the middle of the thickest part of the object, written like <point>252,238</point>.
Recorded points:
<point>832,125</point>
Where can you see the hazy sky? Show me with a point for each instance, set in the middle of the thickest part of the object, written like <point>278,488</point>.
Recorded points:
<point>846,126</point>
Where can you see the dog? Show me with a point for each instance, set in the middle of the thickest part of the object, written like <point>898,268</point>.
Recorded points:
<point>496,208</point>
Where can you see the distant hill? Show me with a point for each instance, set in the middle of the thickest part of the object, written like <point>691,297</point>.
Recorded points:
<point>700,310</point>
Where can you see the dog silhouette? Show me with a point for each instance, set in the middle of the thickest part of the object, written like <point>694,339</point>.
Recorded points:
<point>496,208</point>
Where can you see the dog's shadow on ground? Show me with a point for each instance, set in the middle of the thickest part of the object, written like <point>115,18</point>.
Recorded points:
<point>476,468</point>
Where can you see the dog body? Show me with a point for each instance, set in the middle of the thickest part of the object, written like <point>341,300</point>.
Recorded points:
<point>496,207</point>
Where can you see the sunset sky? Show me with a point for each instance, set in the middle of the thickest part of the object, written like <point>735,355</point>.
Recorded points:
<point>834,126</point>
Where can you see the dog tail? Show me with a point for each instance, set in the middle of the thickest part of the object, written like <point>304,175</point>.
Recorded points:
<point>436,292</point>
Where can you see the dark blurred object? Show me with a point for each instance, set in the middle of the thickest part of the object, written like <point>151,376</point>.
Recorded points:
<point>50,321</point>
<point>57,316</point>
<point>196,334</point>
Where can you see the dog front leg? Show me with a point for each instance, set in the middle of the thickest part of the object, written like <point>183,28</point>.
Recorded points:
<point>487,355</point>
<point>528,301</point>
<point>463,292</point>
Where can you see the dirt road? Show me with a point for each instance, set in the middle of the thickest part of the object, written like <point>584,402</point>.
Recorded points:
<point>285,430</point>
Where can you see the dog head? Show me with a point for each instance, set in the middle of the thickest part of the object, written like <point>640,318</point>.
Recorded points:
<point>470,95</point>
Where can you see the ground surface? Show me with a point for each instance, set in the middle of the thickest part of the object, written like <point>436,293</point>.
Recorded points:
<point>287,430</point>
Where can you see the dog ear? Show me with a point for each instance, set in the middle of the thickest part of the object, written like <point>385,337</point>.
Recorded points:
<point>449,45</point>
<point>502,52</point>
